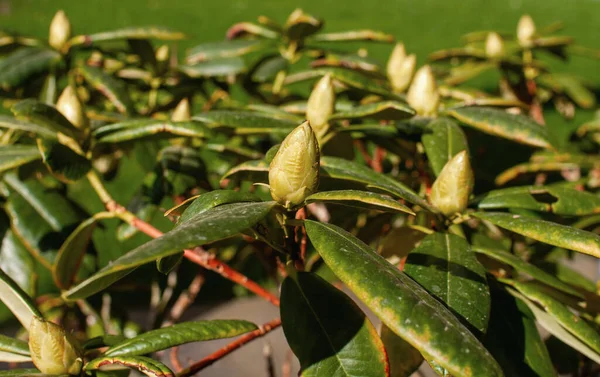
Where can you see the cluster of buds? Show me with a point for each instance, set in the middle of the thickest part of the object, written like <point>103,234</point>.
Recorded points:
<point>321,104</point>
<point>60,31</point>
<point>294,171</point>
<point>423,95</point>
<point>451,190</point>
<point>53,351</point>
<point>400,68</point>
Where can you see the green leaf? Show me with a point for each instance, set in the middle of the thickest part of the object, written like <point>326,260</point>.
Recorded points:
<point>213,225</point>
<point>268,67</point>
<point>529,269</point>
<point>13,350</point>
<point>213,199</point>
<point>300,25</point>
<point>19,302</point>
<point>443,139</point>
<point>182,333</point>
<point>447,268</point>
<point>24,64</point>
<point>224,49</point>
<point>63,162</point>
<point>145,365</point>
<point>353,35</point>
<point>571,86</point>
<point>553,327</point>
<point>387,110</point>
<point>404,359</point>
<point>71,253</point>
<point>147,32</point>
<point>498,122</point>
<point>545,231</point>
<point>142,128</point>
<point>248,121</point>
<point>39,129</point>
<point>514,340</point>
<point>555,199</point>
<point>215,67</point>
<point>113,89</point>
<point>45,116</point>
<point>401,304</point>
<point>328,333</point>
<point>22,373</point>
<point>577,326</point>
<point>360,199</point>
<point>13,156</point>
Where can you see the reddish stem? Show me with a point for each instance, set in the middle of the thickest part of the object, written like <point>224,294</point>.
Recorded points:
<point>378,157</point>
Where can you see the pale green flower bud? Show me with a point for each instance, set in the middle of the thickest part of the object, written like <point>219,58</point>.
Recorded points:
<point>53,351</point>
<point>162,53</point>
<point>60,30</point>
<point>320,106</point>
<point>525,29</point>
<point>294,171</point>
<point>451,190</point>
<point>423,94</point>
<point>494,45</point>
<point>70,106</point>
<point>182,111</point>
<point>400,68</point>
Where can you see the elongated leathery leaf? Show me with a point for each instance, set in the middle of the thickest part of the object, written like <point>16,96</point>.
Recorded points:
<point>327,331</point>
<point>13,350</point>
<point>13,156</point>
<point>404,359</point>
<point>442,140</point>
<point>110,87</point>
<point>147,32</point>
<point>224,49</point>
<point>215,67</point>
<point>500,123</point>
<point>247,120</point>
<point>546,231</point>
<point>17,124</point>
<point>401,304</point>
<point>187,332</point>
<point>19,303</point>
<point>213,225</point>
<point>141,128</point>
<point>24,64</point>
<point>360,199</point>
<point>64,163</point>
<point>388,110</point>
<point>447,268</point>
<point>213,199</point>
<point>45,116</point>
<point>145,365</point>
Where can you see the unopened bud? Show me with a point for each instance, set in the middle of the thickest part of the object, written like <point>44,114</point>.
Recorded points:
<point>53,351</point>
<point>70,106</point>
<point>494,45</point>
<point>294,171</point>
<point>182,111</point>
<point>525,29</point>
<point>162,53</point>
<point>423,94</point>
<point>320,106</point>
<point>451,190</point>
<point>60,30</point>
<point>400,68</point>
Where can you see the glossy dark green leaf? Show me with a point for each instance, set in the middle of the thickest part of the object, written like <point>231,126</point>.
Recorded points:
<point>110,87</point>
<point>567,319</point>
<point>514,340</point>
<point>352,62</point>
<point>215,67</point>
<point>528,268</point>
<point>360,199</point>
<point>443,139</point>
<point>354,35</point>
<point>498,122</point>
<point>545,231</point>
<point>13,350</point>
<point>141,128</point>
<point>224,49</point>
<point>45,116</point>
<point>213,199</point>
<point>40,129</point>
<point>247,121</point>
<point>24,64</point>
<point>268,67</point>
<point>22,373</point>
<point>19,302</point>
<point>148,32</point>
<point>245,29</point>
<point>555,199</point>
<point>182,333</point>
<point>447,268</point>
<point>145,365</point>
<point>213,225</point>
<point>387,110</point>
<point>401,304</point>
<point>300,25</point>
<point>64,163</point>
<point>328,333</point>
<point>13,156</point>
<point>404,359</point>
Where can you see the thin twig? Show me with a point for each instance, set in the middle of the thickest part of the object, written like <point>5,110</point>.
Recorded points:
<point>174,357</point>
<point>185,299</point>
<point>210,359</point>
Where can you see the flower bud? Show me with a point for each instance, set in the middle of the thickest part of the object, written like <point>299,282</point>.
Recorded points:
<point>294,171</point>
<point>162,53</point>
<point>400,68</point>
<point>525,29</point>
<point>60,30</point>
<point>182,111</point>
<point>451,190</point>
<point>320,106</point>
<point>53,351</point>
<point>494,45</point>
<point>423,94</point>
<point>70,106</point>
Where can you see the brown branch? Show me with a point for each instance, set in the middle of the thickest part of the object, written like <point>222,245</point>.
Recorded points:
<point>377,162</point>
<point>174,357</point>
<point>210,359</point>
